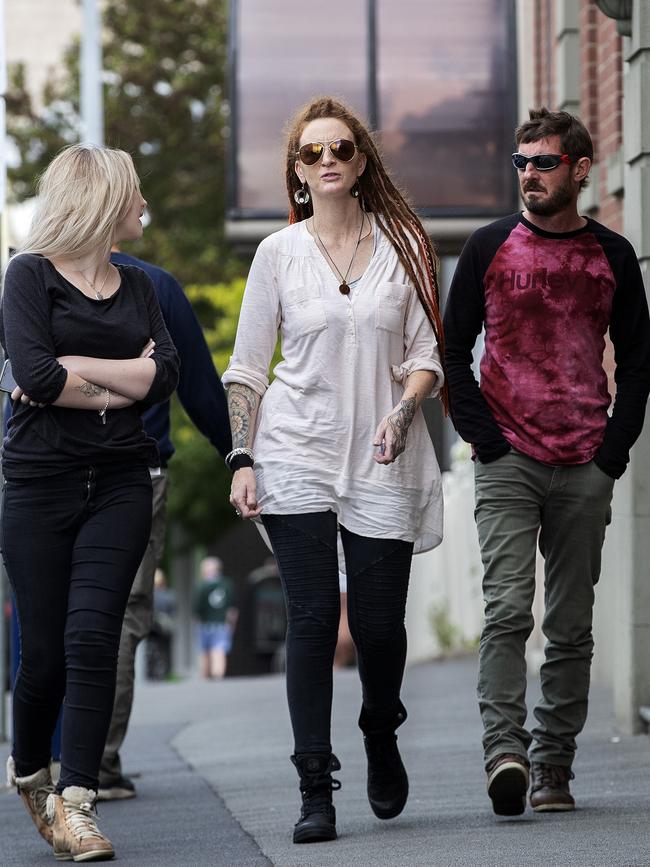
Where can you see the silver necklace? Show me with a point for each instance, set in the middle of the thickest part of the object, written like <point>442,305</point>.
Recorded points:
<point>344,289</point>
<point>98,292</point>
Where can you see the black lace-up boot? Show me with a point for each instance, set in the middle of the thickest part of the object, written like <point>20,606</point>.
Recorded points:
<point>388,784</point>
<point>317,820</point>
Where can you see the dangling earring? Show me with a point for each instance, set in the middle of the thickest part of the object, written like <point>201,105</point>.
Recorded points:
<point>301,196</point>
<point>355,192</point>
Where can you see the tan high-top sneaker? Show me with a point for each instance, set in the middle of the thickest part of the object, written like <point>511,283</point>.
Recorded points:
<point>34,791</point>
<point>75,832</point>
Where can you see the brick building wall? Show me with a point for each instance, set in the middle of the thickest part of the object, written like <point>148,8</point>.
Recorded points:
<point>545,90</point>
<point>596,57</point>
<point>609,83</point>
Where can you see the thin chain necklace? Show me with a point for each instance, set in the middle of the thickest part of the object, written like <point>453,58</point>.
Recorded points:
<point>344,289</point>
<point>98,292</point>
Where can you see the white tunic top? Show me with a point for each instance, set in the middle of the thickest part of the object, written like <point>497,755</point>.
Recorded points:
<point>346,359</point>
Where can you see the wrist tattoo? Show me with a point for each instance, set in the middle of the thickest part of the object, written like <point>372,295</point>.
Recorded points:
<point>400,421</point>
<point>242,403</point>
<point>90,389</point>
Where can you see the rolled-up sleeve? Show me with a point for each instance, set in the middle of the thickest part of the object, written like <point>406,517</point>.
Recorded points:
<point>27,335</point>
<point>165,356</point>
<point>259,320</point>
<point>420,347</point>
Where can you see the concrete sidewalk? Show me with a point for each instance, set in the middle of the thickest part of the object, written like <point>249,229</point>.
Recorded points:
<point>217,787</point>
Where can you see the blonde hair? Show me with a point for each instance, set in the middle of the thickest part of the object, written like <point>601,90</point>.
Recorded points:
<point>83,194</point>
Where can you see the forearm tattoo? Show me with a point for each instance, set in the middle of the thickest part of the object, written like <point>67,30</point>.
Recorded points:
<point>242,404</point>
<point>400,421</point>
<point>90,389</point>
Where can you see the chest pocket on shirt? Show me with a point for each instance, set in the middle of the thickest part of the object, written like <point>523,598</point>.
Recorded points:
<point>304,311</point>
<point>391,301</point>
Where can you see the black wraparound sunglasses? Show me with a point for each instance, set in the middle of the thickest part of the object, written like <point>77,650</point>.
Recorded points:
<point>542,162</point>
<point>341,149</point>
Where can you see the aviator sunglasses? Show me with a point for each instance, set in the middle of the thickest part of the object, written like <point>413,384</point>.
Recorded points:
<point>341,149</point>
<point>542,162</point>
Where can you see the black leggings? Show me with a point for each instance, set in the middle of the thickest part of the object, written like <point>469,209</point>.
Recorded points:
<point>378,575</point>
<point>71,544</point>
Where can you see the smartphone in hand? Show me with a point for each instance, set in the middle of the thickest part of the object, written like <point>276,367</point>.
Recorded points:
<point>7,381</point>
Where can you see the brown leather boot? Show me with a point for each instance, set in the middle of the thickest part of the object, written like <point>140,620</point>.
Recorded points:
<point>507,784</point>
<point>549,788</point>
<point>34,791</point>
<point>76,836</point>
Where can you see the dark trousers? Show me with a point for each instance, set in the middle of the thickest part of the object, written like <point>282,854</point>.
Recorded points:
<point>71,544</point>
<point>378,572</point>
<point>138,620</point>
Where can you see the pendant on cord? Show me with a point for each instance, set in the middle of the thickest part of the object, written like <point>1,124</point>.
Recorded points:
<point>344,289</point>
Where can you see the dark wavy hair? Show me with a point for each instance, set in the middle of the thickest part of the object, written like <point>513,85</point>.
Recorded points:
<point>378,196</point>
<point>574,137</point>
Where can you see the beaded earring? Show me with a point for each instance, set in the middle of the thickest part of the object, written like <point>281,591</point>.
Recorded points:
<point>301,196</point>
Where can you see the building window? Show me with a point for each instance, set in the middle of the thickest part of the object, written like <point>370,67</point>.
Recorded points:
<point>438,79</point>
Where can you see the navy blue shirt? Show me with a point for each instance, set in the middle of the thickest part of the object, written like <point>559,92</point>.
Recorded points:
<point>199,388</point>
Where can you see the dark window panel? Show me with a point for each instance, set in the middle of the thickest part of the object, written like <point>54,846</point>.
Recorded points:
<point>446,90</point>
<point>445,86</point>
<point>286,54</point>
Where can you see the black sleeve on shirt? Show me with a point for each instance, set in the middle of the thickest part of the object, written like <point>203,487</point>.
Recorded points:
<point>463,320</point>
<point>26,333</point>
<point>164,355</point>
<point>629,330</point>
<point>199,388</point>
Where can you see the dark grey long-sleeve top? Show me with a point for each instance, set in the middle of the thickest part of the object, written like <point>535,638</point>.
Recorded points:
<point>43,317</point>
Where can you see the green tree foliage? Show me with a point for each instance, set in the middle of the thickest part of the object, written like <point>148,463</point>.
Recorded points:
<point>36,136</point>
<point>217,308</point>
<point>165,103</point>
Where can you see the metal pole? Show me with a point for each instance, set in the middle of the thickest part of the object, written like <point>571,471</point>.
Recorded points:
<point>92,97</point>
<point>371,59</point>
<point>3,135</point>
<point>3,260</point>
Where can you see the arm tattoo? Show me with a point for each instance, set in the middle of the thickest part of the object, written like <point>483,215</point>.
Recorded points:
<point>90,389</point>
<point>400,421</point>
<point>242,403</point>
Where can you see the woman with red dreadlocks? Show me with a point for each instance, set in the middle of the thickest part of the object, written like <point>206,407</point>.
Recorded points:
<point>337,443</point>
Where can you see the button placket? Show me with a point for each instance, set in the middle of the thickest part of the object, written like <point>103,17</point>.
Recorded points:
<point>352,321</point>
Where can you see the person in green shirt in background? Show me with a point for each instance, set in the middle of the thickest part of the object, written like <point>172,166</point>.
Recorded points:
<point>215,610</point>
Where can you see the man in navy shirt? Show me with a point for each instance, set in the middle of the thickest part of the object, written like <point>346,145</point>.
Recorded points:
<point>203,398</point>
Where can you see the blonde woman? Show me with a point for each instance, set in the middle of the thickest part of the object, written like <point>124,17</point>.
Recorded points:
<point>89,350</point>
<point>337,444</point>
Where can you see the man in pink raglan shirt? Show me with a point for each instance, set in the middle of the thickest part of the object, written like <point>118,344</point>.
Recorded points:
<point>546,285</point>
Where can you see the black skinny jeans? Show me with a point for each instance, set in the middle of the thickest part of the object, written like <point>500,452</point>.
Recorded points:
<point>71,545</point>
<point>378,574</point>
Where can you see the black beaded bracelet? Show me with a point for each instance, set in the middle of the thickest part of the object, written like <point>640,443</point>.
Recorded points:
<point>239,462</point>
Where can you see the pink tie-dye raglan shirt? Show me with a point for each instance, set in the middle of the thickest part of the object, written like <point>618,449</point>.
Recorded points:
<point>547,309</point>
<point>546,302</point>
